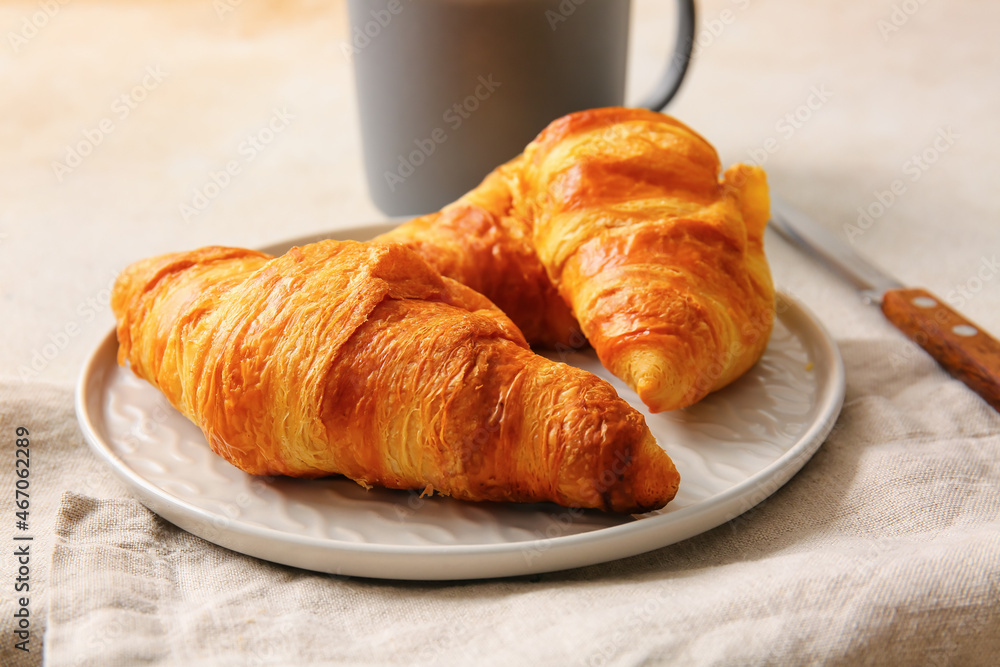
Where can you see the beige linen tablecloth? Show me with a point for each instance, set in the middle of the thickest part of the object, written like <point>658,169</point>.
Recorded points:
<point>884,549</point>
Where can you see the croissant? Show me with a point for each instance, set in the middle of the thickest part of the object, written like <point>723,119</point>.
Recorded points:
<point>361,360</point>
<point>660,261</point>
<point>481,244</point>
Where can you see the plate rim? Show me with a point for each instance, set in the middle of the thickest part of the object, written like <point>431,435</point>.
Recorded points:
<point>491,560</point>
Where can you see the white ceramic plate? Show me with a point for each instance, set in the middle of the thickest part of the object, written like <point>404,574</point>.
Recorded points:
<point>733,449</point>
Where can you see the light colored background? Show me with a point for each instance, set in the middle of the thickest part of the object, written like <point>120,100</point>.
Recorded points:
<point>62,242</point>
<point>891,515</point>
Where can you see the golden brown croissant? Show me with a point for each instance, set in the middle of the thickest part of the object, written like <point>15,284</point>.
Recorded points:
<point>360,359</point>
<point>661,262</point>
<point>481,244</point>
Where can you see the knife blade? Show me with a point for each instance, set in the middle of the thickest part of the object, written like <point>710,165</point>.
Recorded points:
<point>960,346</point>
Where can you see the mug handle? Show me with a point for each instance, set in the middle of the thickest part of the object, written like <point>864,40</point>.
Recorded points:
<point>679,61</point>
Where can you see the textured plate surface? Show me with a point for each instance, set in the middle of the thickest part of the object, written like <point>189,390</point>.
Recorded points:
<point>733,449</point>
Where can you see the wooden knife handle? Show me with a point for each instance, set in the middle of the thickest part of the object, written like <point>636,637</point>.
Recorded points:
<point>964,349</point>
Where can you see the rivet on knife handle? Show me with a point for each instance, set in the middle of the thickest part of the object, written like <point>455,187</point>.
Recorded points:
<point>964,349</point>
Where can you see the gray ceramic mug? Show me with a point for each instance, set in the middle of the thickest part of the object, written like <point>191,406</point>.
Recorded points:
<point>449,89</point>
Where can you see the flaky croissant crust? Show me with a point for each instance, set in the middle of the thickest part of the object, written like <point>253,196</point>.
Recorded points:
<point>359,359</point>
<point>659,259</point>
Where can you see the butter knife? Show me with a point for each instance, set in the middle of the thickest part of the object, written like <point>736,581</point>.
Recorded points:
<point>961,347</point>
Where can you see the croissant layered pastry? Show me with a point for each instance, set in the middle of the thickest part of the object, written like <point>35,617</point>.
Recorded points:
<point>360,359</point>
<point>618,219</point>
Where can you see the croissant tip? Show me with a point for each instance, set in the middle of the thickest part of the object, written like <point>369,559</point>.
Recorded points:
<point>656,391</point>
<point>661,389</point>
<point>649,482</point>
<point>655,480</point>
